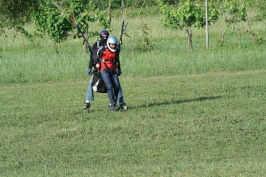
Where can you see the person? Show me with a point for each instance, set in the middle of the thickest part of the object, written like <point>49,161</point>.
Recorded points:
<point>104,34</point>
<point>107,62</point>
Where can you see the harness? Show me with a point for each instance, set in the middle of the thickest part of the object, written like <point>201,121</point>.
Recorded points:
<point>104,61</point>
<point>108,59</point>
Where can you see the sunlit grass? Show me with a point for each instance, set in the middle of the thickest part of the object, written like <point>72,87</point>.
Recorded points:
<point>211,123</point>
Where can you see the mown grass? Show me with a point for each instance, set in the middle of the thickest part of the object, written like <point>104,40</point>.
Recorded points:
<point>192,113</point>
<point>194,125</point>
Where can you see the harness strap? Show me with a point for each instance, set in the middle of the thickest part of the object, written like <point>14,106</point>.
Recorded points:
<point>98,44</point>
<point>104,61</point>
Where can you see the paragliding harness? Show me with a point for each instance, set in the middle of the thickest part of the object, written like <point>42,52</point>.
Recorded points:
<point>98,84</point>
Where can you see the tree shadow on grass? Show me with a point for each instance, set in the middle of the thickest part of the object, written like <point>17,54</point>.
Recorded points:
<point>176,102</point>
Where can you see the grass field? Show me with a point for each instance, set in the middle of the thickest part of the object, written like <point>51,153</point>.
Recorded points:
<point>192,113</point>
<point>196,125</point>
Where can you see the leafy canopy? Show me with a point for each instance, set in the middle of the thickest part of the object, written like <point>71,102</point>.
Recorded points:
<point>57,19</point>
<point>187,14</point>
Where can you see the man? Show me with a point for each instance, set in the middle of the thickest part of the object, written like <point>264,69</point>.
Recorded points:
<point>104,34</point>
<point>108,64</point>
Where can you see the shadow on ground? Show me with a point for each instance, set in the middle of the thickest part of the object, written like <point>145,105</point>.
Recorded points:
<point>177,102</point>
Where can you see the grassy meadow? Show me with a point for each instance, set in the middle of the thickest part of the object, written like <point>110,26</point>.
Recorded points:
<point>192,113</point>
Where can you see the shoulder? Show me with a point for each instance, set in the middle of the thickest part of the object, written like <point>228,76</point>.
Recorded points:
<point>101,49</point>
<point>94,46</point>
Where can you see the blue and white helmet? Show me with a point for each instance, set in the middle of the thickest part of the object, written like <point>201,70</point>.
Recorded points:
<point>112,40</point>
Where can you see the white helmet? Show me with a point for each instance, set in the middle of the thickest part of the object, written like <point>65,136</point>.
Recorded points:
<point>112,40</point>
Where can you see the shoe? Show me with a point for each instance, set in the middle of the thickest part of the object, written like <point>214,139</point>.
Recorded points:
<point>113,107</point>
<point>86,105</point>
<point>123,106</point>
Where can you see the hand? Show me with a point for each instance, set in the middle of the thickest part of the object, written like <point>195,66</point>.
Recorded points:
<point>97,66</point>
<point>89,71</point>
<point>119,72</point>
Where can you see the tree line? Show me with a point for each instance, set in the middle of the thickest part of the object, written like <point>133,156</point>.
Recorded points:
<point>58,18</point>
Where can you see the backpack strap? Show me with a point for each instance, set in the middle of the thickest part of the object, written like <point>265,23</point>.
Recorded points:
<point>98,44</point>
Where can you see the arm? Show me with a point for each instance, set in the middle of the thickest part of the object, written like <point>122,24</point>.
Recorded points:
<point>118,64</point>
<point>90,62</point>
<point>92,56</point>
<point>98,57</point>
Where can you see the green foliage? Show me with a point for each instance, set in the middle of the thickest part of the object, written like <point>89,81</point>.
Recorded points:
<point>57,20</point>
<point>16,13</point>
<point>117,4</point>
<point>234,11</point>
<point>189,14</point>
<point>48,21</point>
<point>214,12</point>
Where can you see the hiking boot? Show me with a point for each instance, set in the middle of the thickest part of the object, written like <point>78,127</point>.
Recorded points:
<point>123,106</point>
<point>113,107</point>
<point>86,105</point>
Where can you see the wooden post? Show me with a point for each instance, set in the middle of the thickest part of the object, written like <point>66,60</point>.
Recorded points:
<point>109,15</point>
<point>207,24</point>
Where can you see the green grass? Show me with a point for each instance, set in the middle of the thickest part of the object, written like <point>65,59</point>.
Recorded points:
<point>71,63</point>
<point>192,113</point>
<point>195,125</point>
<point>23,61</point>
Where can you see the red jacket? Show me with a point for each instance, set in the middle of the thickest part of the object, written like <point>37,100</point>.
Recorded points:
<point>108,59</point>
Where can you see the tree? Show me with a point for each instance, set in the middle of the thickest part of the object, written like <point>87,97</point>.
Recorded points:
<point>58,20</point>
<point>16,13</point>
<point>187,15</point>
<point>234,12</point>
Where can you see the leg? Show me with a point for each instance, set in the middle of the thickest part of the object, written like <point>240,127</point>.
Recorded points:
<point>106,76</point>
<point>90,96</point>
<point>116,84</point>
<point>121,98</point>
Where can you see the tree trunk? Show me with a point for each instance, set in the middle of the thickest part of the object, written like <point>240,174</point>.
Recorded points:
<point>190,41</point>
<point>221,43</point>
<point>85,47</point>
<point>249,29</point>
<point>55,46</point>
<point>189,36</point>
